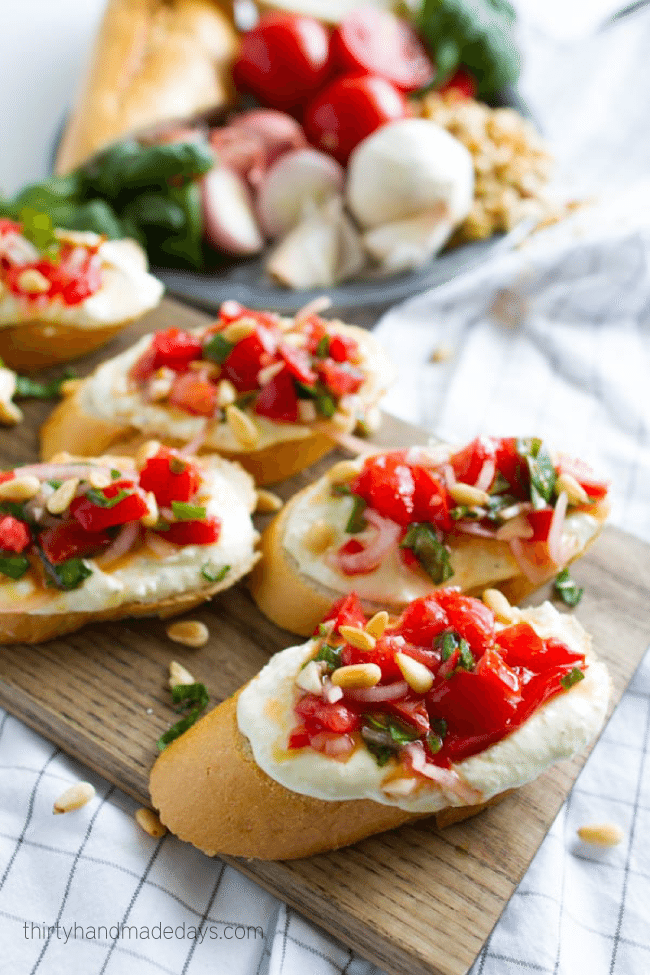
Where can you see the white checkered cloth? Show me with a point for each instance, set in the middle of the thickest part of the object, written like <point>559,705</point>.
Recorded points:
<point>551,340</point>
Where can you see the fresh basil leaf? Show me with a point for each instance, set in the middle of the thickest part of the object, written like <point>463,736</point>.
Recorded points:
<point>325,405</point>
<point>97,497</point>
<point>466,656</point>
<point>188,512</point>
<point>14,566</point>
<point>499,485</point>
<point>323,347</point>
<point>31,388</point>
<point>434,742</point>
<point>17,509</point>
<point>400,734</point>
<point>323,401</point>
<point>573,677</point>
<point>37,228</point>
<point>421,537</point>
<point>343,490</point>
<point>356,521</point>
<point>178,729</point>
<point>55,484</point>
<point>217,349</point>
<point>66,575</point>
<point>464,511</point>
<point>115,474</point>
<point>567,589</point>
<point>450,642</point>
<point>381,753</point>
<point>192,696</point>
<point>541,471</point>
<point>446,643</point>
<point>211,576</point>
<point>331,656</point>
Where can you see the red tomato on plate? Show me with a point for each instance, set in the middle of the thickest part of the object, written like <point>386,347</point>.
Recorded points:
<point>370,41</point>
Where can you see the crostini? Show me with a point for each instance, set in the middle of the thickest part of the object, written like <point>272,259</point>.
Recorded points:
<point>64,293</point>
<point>270,392</point>
<point>370,724</point>
<point>395,525</point>
<point>83,540</point>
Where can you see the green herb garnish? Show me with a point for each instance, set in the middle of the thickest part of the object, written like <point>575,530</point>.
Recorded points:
<point>323,401</point>
<point>567,589</point>
<point>37,228</point>
<point>115,474</point>
<point>541,471</point>
<point>27,388</point>
<point>573,677</point>
<point>464,511</point>
<point>422,539</point>
<point>96,496</point>
<point>323,347</point>
<point>65,575</point>
<point>217,349</point>
<point>356,521</point>
<point>207,573</point>
<point>188,512</point>
<point>448,644</point>
<point>399,734</point>
<point>435,738</point>
<point>14,566</point>
<point>192,696</point>
<point>330,655</point>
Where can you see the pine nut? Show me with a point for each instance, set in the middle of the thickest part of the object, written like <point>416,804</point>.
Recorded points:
<point>179,675</point>
<point>267,501</point>
<point>357,637</point>
<point>442,354</point>
<point>376,626</point>
<point>266,374</point>
<point>310,678</point>
<point>497,602</point>
<point>69,386</point>
<point>226,393</point>
<point>74,798</point>
<point>242,427</point>
<point>148,449</point>
<point>318,537</point>
<point>10,414</point>
<point>601,834</point>
<point>150,520</point>
<point>296,339</point>
<point>7,384</point>
<point>150,823</point>
<point>241,329</point>
<point>344,471</point>
<point>418,677</point>
<point>99,480</point>
<point>58,502</point>
<point>191,633</point>
<point>356,676</point>
<point>32,282</point>
<point>574,491</point>
<point>20,488</point>
<point>466,494</point>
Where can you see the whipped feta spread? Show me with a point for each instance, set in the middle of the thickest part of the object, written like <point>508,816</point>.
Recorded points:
<point>476,562</point>
<point>145,577</point>
<point>127,291</point>
<point>109,395</point>
<point>559,729</point>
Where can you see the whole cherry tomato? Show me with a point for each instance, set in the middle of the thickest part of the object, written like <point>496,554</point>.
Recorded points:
<point>370,41</point>
<point>349,109</point>
<point>283,60</point>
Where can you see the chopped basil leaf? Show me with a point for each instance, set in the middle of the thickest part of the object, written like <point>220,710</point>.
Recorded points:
<point>499,484</point>
<point>188,512</point>
<point>541,470</point>
<point>217,349</point>
<point>55,484</point>
<point>331,656</point>
<point>98,498</point>
<point>177,465</point>
<point>497,504</point>
<point>466,656</point>
<point>432,555</point>
<point>207,573</point>
<point>464,511</point>
<point>31,388</point>
<point>567,589</point>
<point>115,474</point>
<point>397,734</point>
<point>573,677</point>
<point>323,347</point>
<point>38,228</point>
<point>17,509</point>
<point>14,566</point>
<point>381,753</point>
<point>356,521</point>
<point>192,696</point>
<point>323,401</point>
<point>66,575</point>
<point>325,405</point>
<point>447,643</point>
<point>400,734</point>
<point>435,738</point>
<point>341,489</point>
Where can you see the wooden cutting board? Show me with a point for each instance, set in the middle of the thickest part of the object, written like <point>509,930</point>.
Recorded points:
<point>414,901</point>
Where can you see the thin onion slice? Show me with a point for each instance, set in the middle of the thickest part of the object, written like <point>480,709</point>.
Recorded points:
<point>62,472</point>
<point>123,543</point>
<point>468,527</point>
<point>486,475</point>
<point>378,693</point>
<point>332,744</point>
<point>554,542</point>
<point>534,571</point>
<point>448,779</point>
<point>314,307</point>
<point>386,535</point>
<point>160,546</point>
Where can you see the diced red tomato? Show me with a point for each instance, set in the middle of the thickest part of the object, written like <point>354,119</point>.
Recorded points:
<point>95,518</point>
<point>176,348</point>
<point>412,711</point>
<point>370,41</point>
<point>314,331</point>
<point>383,654</point>
<point>340,378</point>
<point>346,611</point>
<point>297,363</point>
<point>342,348</point>
<point>468,462</point>
<point>472,703</point>
<point>278,400</point>
<point>232,311</point>
<point>492,667</point>
<point>299,738</point>
<point>203,532</point>
<point>540,522</point>
<point>318,715</point>
<point>145,365</point>
<point>170,477</point>
<point>193,393</point>
<point>9,226</point>
<point>470,618</point>
<point>15,535</point>
<point>71,541</point>
<point>519,645</point>
<point>421,621</point>
<point>585,476</point>
<point>386,484</point>
<point>248,357</point>
<point>6,476</point>
<point>432,501</point>
<point>512,466</point>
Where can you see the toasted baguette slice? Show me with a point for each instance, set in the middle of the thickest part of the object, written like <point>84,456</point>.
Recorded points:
<point>152,578</point>
<point>229,785</point>
<point>35,335</point>
<point>152,62</point>
<point>106,411</point>
<point>297,578</point>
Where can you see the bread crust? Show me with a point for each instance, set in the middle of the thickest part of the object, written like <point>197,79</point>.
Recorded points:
<point>210,792</point>
<point>30,346</point>
<point>297,603</point>
<point>153,61</point>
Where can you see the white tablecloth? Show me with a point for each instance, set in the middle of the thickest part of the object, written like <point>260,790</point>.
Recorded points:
<point>551,340</point>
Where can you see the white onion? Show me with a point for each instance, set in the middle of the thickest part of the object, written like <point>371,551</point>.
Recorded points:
<point>448,779</point>
<point>331,692</point>
<point>378,693</point>
<point>554,542</point>
<point>468,527</point>
<point>336,746</point>
<point>314,307</point>
<point>386,535</point>
<point>160,546</point>
<point>123,543</point>
<point>534,572</point>
<point>486,475</point>
<point>450,475</point>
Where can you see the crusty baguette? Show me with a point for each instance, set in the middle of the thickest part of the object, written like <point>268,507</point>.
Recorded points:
<point>153,61</point>
<point>297,602</point>
<point>210,792</point>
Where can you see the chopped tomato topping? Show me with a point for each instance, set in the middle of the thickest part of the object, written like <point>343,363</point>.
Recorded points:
<point>403,491</point>
<point>170,477</point>
<point>232,311</point>
<point>194,393</point>
<point>15,535</point>
<point>346,611</point>
<point>247,358</point>
<point>383,655</point>
<point>176,348</point>
<point>297,363</point>
<point>278,399</point>
<point>203,532</point>
<point>97,517</point>
<point>540,522</point>
<point>341,378</point>
<point>314,331</point>
<point>468,462</point>
<point>6,476</point>
<point>512,466</point>
<point>585,477</point>
<point>411,710</point>
<point>421,621</point>
<point>469,617</point>
<point>71,541</point>
<point>319,715</point>
<point>342,348</point>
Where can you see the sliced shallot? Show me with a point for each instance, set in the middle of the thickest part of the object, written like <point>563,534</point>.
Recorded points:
<point>468,527</point>
<point>123,543</point>
<point>535,571</point>
<point>486,475</point>
<point>315,307</point>
<point>448,779</point>
<point>554,542</point>
<point>378,693</point>
<point>384,534</point>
